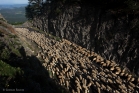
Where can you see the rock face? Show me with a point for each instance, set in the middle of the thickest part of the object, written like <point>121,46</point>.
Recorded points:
<point>112,35</point>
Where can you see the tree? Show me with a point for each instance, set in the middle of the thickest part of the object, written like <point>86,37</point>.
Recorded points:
<point>29,12</point>
<point>34,8</point>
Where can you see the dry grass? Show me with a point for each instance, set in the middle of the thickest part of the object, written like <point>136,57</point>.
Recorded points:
<point>7,26</point>
<point>3,31</point>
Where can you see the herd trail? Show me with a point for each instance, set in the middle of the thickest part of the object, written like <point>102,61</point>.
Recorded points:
<point>78,70</point>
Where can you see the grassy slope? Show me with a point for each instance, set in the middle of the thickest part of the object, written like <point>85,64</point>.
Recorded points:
<point>18,70</point>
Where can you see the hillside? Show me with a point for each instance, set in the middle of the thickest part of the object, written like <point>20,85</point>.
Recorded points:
<point>20,69</point>
<point>43,62</point>
<point>72,50</point>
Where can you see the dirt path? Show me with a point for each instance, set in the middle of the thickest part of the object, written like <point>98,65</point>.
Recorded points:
<point>76,68</point>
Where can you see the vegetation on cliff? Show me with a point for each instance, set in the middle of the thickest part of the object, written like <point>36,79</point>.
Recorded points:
<point>40,7</point>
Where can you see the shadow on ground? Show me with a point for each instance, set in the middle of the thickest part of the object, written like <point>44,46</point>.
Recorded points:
<point>34,79</point>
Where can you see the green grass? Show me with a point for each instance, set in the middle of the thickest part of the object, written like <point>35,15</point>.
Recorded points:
<point>7,73</point>
<point>16,51</point>
<point>16,23</point>
<point>7,70</point>
<point>5,54</point>
<point>13,47</point>
<point>12,36</point>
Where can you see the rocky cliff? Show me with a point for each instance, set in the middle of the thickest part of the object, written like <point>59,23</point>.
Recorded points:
<point>112,34</point>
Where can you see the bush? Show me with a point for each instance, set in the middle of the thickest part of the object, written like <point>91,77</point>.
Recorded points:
<point>5,54</point>
<point>9,71</point>
<point>16,51</point>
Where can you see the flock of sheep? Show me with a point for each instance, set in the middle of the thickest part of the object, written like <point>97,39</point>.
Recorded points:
<point>78,69</point>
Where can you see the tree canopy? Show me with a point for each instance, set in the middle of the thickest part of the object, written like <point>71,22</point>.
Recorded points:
<point>38,7</point>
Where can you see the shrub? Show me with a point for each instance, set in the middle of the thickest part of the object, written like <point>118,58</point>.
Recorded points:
<point>9,71</point>
<point>16,51</point>
<point>5,54</point>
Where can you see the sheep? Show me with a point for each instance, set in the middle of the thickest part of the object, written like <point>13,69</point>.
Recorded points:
<point>108,62</point>
<point>73,91</point>
<point>114,75</point>
<point>94,77</point>
<point>61,66</point>
<point>122,87</point>
<point>129,77</point>
<point>86,89</point>
<point>109,75</point>
<point>122,74</point>
<point>108,88</point>
<point>103,79</point>
<point>90,83</point>
<point>78,90</point>
<point>89,77</point>
<point>70,74</point>
<point>80,77</point>
<point>77,78</point>
<point>131,84</point>
<point>84,81</point>
<point>116,91</point>
<point>60,70</point>
<point>112,64</point>
<point>98,90</point>
<point>110,81</point>
<point>123,91</point>
<point>79,86</point>
<point>112,68</point>
<point>97,84</point>
<point>103,87</point>
<point>132,79</point>
<point>118,70</point>
<point>102,73</point>
<point>104,65</point>
<point>118,81</point>
<point>130,88</point>
<point>99,59</point>
<point>63,71</point>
